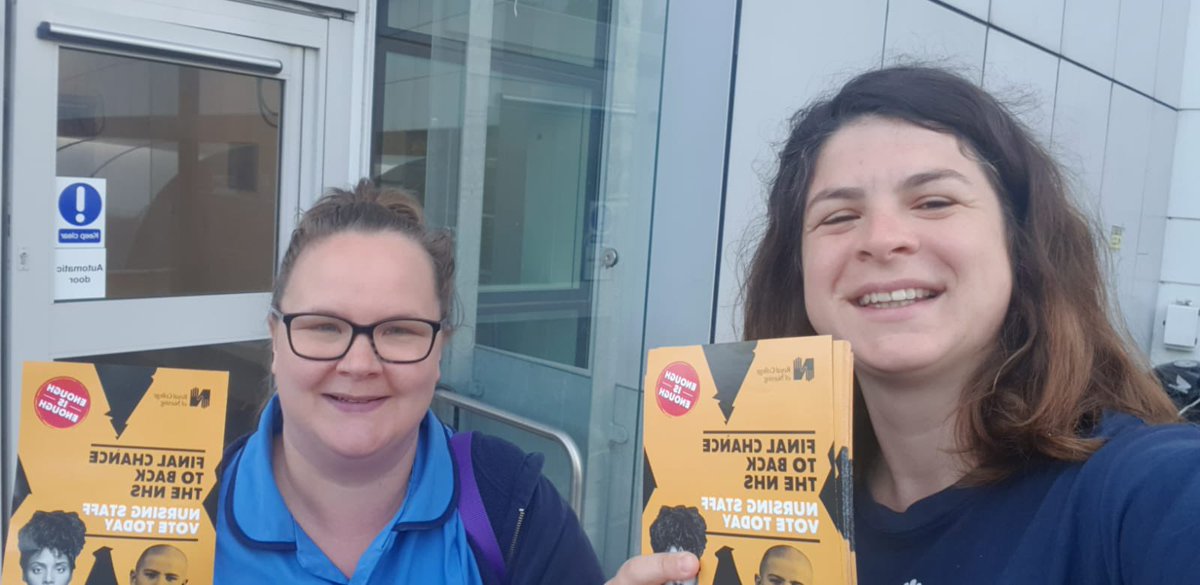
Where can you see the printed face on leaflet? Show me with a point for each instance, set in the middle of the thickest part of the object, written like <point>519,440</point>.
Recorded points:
<point>784,565</point>
<point>160,565</point>
<point>48,567</point>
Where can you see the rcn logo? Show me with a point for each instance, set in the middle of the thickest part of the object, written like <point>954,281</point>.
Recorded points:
<point>200,397</point>
<point>803,369</point>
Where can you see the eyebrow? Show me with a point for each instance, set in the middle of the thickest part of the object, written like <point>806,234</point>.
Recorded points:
<point>923,178</point>
<point>911,182</point>
<point>843,193</point>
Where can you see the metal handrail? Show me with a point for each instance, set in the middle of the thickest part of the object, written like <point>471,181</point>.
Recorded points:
<point>457,400</point>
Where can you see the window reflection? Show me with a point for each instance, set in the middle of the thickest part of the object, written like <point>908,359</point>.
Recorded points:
<point>191,160</point>
<point>418,127</point>
<point>545,117</point>
<point>538,221</point>
<point>567,31</point>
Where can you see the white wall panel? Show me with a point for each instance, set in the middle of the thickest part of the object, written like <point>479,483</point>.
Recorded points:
<point>1185,173</point>
<point>919,30</point>
<point>1148,262</point>
<point>1125,156</point>
<point>1124,181</point>
<point>1038,21</point>
<point>1024,77</point>
<point>1179,251</point>
<point>688,174</point>
<point>976,8</point>
<point>1137,43</point>
<point>789,52</point>
<point>1172,40</point>
<point>1080,131</point>
<point>1138,307</point>
<point>1156,193</point>
<point>1090,33</point>
<point>1189,93</point>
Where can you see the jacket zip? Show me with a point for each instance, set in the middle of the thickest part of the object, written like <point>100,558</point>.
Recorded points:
<point>512,547</point>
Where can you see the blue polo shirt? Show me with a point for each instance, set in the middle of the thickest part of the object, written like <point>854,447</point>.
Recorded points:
<point>1129,515</point>
<point>258,540</point>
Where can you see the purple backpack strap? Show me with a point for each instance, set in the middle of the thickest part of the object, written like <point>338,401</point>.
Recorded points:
<point>470,507</point>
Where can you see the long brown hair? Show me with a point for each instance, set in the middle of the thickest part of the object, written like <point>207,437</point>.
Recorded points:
<point>1058,362</point>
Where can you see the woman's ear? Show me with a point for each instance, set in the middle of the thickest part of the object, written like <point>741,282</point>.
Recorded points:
<point>273,329</point>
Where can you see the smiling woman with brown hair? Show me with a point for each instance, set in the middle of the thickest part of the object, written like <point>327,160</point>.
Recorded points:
<point>350,478</point>
<point>1053,361</point>
<point>1005,431</point>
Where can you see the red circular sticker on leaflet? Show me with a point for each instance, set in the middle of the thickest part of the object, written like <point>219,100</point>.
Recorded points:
<point>62,402</point>
<point>678,387</point>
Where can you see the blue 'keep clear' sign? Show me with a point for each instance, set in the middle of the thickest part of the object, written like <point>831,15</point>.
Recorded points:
<point>80,218</point>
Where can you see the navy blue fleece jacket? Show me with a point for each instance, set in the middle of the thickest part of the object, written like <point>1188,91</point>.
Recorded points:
<point>1129,515</point>
<point>538,533</point>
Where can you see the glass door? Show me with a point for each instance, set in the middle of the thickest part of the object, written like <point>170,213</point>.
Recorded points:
<point>529,128</point>
<point>159,163</point>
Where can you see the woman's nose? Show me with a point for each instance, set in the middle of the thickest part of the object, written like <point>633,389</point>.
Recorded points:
<point>360,357</point>
<point>886,234</point>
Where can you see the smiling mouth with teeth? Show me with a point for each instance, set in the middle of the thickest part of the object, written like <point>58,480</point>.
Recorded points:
<point>894,299</point>
<point>349,400</point>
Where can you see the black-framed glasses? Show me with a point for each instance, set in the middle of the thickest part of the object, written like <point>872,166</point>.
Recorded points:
<point>316,336</point>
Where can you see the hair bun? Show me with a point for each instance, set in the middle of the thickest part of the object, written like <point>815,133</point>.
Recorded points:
<point>404,206</point>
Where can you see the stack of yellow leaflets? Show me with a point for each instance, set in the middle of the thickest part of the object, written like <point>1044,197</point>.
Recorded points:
<point>115,474</point>
<point>748,459</point>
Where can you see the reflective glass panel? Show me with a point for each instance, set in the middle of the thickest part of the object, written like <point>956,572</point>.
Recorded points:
<point>567,31</point>
<point>538,221</point>
<point>190,157</point>
<point>570,31</point>
<point>529,128</point>
<point>534,161</point>
<point>448,19</point>
<point>419,127</point>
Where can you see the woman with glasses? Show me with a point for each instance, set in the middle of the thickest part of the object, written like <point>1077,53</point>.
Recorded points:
<point>350,478</point>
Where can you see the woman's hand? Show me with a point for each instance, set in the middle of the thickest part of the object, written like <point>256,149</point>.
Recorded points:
<point>657,569</point>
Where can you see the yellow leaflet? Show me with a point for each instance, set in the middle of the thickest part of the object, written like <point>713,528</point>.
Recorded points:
<point>748,458</point>
<point>130,451</point>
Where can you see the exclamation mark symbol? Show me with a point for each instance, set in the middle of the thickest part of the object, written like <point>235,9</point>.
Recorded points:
<point>80,204</point>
